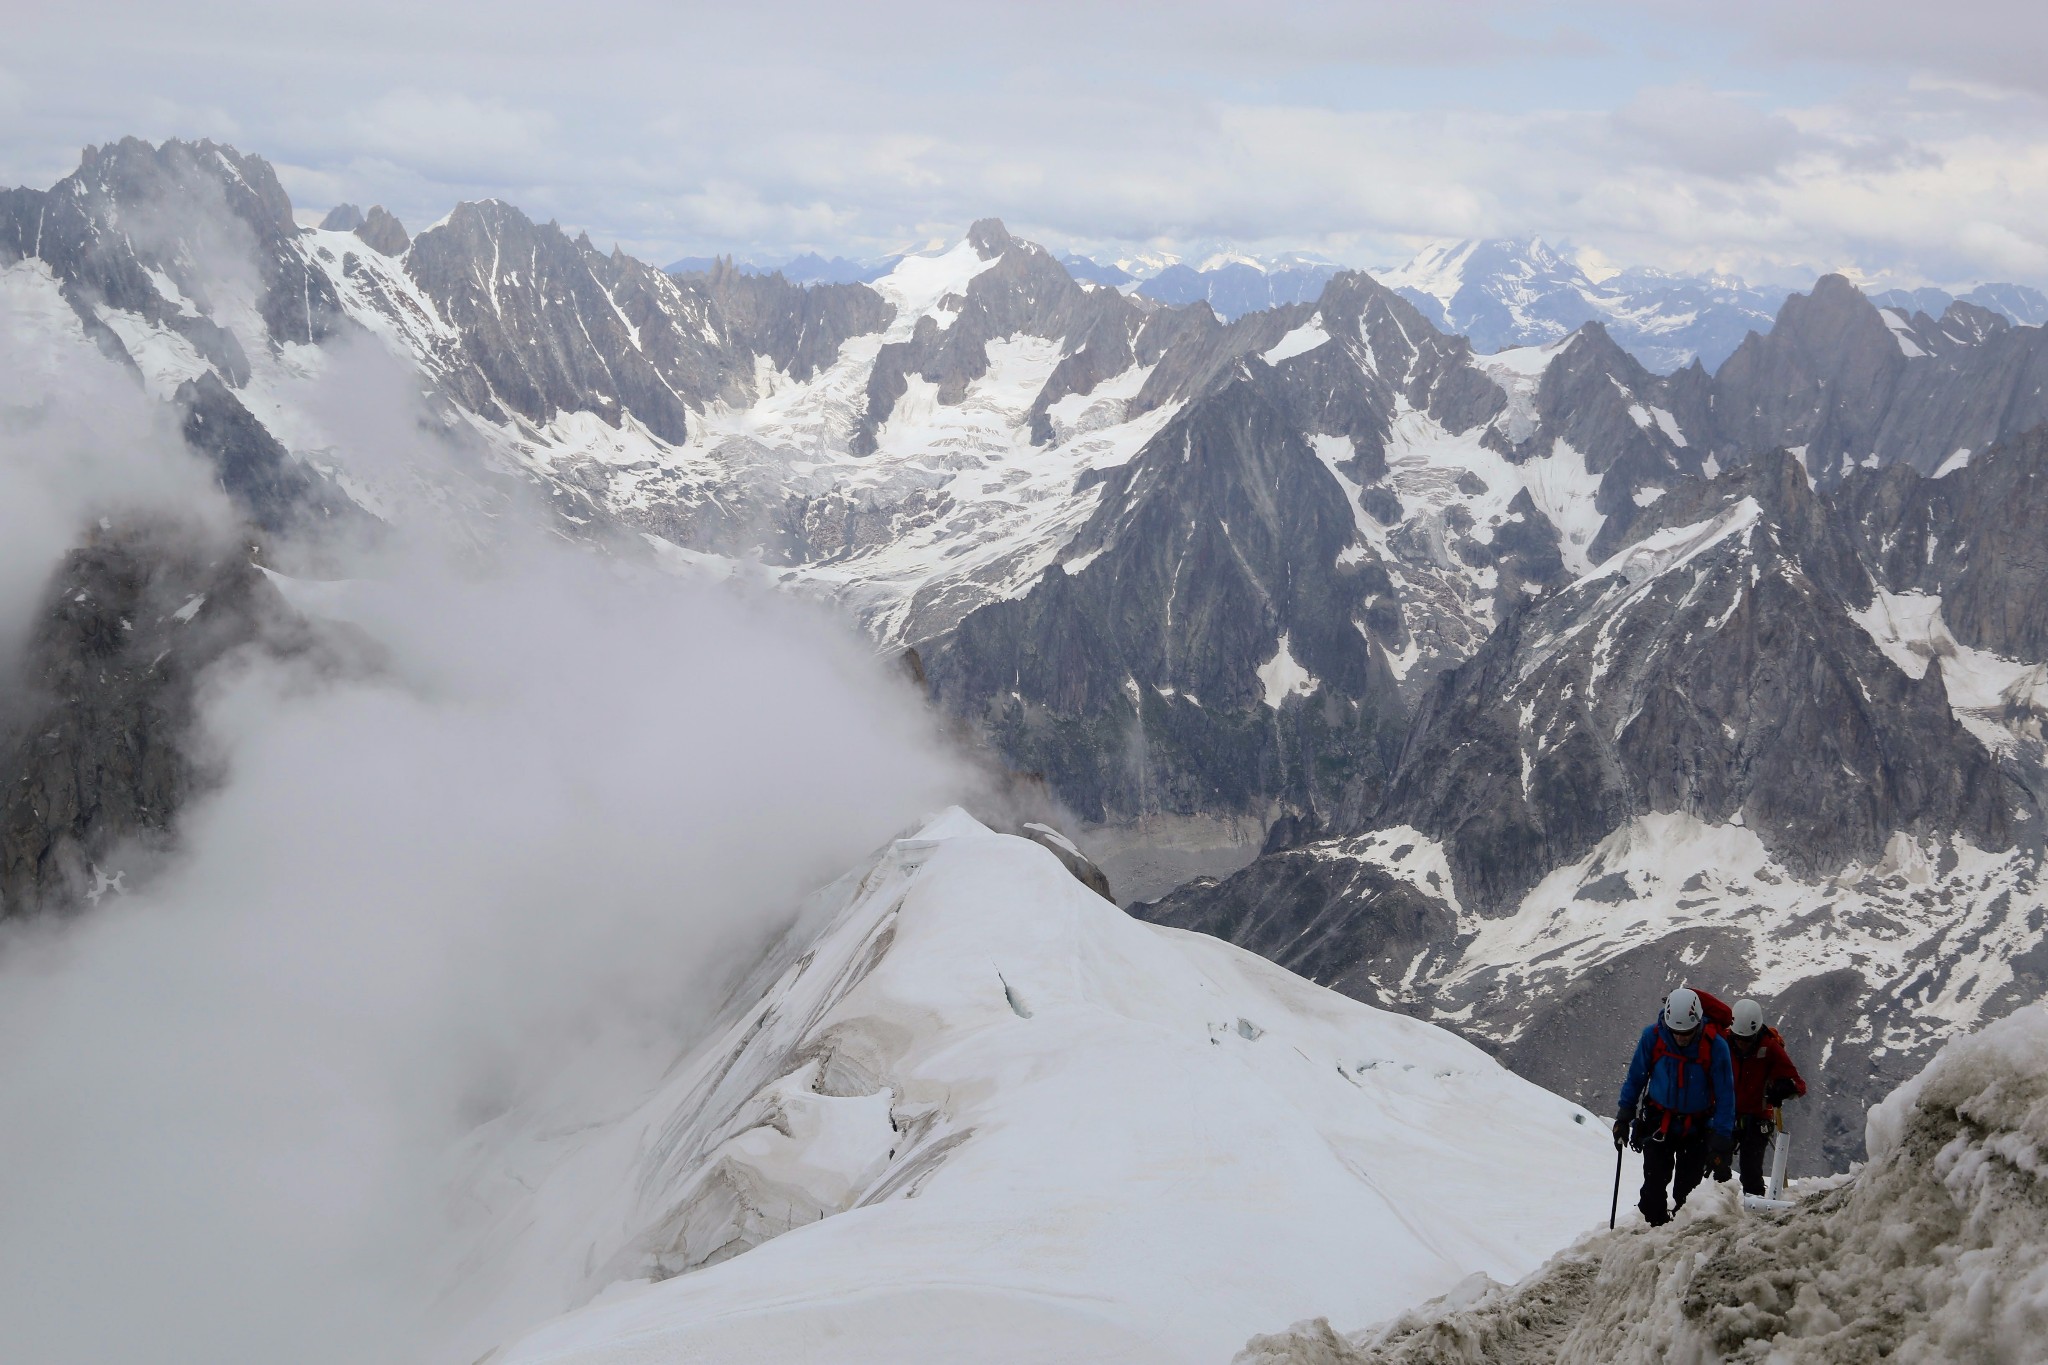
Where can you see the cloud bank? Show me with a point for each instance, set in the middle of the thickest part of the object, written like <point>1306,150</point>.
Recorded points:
<point>518,860</point>
<point>1772,140</point>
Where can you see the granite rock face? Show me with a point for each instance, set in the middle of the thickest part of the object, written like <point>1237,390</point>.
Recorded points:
<point>382,232</point>
<point>96,727</point>
<point>1199,651</point>
<point>1849,385</point>
<point>1708,670</point>
<point>1737,755</point>
<point>540,325</point>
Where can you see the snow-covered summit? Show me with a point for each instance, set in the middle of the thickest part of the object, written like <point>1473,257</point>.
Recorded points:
<point>1504,292</point>
<point>973,1111</point>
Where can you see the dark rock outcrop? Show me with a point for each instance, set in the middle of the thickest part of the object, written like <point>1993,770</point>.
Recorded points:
<point>547,325</point>
<point>382,232</point>
<point>342,218</point>
<point>1134,681</point>
<point>1837,381</point>
<point>96,757</point>
<point>275,491</point>
<point>1718,673</point>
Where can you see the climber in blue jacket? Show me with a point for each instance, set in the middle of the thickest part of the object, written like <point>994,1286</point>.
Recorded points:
<point>1678,1104</point>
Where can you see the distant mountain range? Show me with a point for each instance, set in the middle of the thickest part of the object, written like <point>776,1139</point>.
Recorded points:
<point>1502,293</point>
<point>2018,303</point>
<point>809,268</point>
<point>1497,293</point>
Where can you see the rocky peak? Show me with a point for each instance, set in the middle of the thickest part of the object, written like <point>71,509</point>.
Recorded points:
<point>1226,518</point>
<point>990,238</point>
<point>1026,292</point>
<point>149,230</point>
<point>382,232</point>
<point>540,329</point>
<point>342,218</point>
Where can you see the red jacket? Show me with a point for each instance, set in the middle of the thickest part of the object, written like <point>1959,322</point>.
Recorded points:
<point>1755,1072</point>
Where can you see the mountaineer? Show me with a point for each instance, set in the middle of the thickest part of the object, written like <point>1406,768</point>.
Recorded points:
<point>1678,1104</point>
<point>1764,1079</point>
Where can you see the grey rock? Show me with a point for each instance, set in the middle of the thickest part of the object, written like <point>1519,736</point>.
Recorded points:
<point>274,490</point>
<point>342,218</point>
<point>1071,857</point>
<point>1713,686</point>
<point>547,325</point>
<point>1833,380</point>
<point>1133,683</point>
<point>1974,537</point>
<point>381,232</point>
<point>95,759</point>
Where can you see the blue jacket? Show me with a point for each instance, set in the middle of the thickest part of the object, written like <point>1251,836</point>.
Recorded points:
<point>1679,1084</point>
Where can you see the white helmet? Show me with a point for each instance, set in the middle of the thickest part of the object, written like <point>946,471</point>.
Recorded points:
<point>1749,1019</point>
<point>1682,1010</point>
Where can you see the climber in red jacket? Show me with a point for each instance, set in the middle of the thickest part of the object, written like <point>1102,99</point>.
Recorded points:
<point>1764,1079</point>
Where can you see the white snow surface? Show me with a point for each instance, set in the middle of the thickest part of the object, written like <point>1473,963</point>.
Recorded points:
<point>1282,677</point>
<point>973,1111</point>
<point>1993,697</point>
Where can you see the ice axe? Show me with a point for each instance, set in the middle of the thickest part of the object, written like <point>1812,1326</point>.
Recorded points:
<point>1621,1138</point>
<point>1774,1197</point>
<point>1614,1205</point>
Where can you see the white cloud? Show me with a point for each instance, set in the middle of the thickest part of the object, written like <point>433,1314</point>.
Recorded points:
<point>1666,136</point>
<point>1689,127</point>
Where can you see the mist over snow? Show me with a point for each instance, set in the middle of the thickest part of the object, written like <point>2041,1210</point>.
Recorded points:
<point>511,857</point>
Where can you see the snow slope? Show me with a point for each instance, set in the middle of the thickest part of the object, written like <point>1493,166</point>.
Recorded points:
<point>979,1113</point>
<point>1936,1251</point>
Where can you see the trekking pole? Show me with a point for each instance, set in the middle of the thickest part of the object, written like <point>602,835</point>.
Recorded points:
<point>1614,1207</point>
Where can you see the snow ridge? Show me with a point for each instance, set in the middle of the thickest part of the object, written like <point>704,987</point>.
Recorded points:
<point>977,1112</point>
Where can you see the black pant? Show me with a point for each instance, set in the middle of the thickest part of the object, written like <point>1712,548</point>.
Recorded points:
<point>1752,1140</point>
<point>1678,1162</point>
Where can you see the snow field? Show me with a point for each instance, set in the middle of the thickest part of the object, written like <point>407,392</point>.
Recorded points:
<point>1105,1141</point>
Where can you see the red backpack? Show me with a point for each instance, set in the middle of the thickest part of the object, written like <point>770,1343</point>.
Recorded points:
<point>1719,1015</point>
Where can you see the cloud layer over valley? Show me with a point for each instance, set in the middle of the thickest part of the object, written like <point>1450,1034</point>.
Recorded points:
<point>502,863</point>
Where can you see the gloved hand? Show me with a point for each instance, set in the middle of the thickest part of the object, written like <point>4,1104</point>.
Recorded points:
<point>1720,1154</point>
<point>1622,1122</point>
<point>1778,1091</point>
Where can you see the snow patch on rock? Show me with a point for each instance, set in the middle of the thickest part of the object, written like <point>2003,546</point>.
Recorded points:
<point>1282,677</point>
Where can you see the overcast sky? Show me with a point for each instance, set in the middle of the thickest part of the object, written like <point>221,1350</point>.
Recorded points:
<point>1897,139</point>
